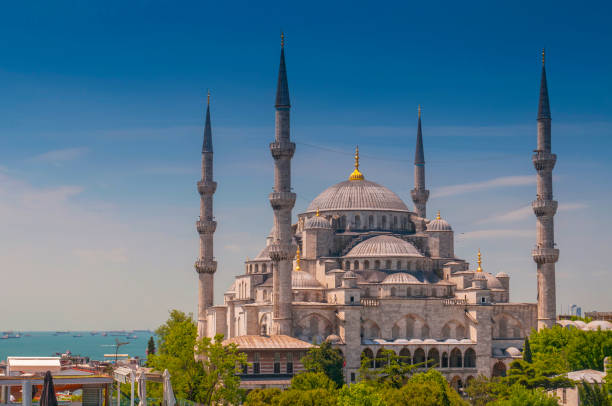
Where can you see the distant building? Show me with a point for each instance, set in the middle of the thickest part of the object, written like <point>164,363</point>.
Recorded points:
<point>605,316</point>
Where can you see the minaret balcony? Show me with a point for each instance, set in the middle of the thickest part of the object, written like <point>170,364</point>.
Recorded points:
<point>544,161</point>
<point>419,195</point>
<point>282,252</point>
<point>207,187</point>
<point>282,200</point>
<point>545,255</point>
<point>282,149</point>
<point>544,207</point>
<point>206,266</point>
<point>206,226</point>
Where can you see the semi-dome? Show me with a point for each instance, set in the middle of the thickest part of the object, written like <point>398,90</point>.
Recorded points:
<point>502,275</point>
<point>349,275</point>
<point>317,222</point>
<point>302,279</point>
<point>400,278</point>
<point>384,246</point>
<point>357,195</point>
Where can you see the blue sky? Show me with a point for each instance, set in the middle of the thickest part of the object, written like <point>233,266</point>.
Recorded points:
<point>101,119</point>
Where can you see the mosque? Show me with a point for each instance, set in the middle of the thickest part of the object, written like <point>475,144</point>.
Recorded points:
<point>362,270</point>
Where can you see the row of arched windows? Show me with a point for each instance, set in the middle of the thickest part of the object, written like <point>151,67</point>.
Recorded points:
<point>409,265</point>
<point>256,268</point>
<point>433,359</point>
<point>372,222</point>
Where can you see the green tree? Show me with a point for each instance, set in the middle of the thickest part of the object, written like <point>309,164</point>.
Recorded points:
<point>325,359</point>
<point>212,379</point>
<point>312,380</point>
<point>307,389</point>
<point>360,394</point>
<point>527,357</point>
<point>390,371</point>
<point>587,349</point>
<point>593,395</point>
<point>431,388</point>
<point>542,373</point>
<point>483,390</point>
<point>262,397</point>
<point>521,396</point>
<point>151,346</point>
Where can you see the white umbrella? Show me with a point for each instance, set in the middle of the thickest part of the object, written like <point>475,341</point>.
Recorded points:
<point>169,399</point>
<point>142,389</point>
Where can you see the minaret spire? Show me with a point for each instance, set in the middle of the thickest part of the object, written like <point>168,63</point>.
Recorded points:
<point>282,200</point>
<point>545,254</point>
<point>420,195</point>
<point>205,265</point>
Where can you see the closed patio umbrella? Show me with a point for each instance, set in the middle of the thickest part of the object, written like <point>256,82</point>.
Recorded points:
<point>169,399</point>
<point>142,389</point>
<point>47,397</point>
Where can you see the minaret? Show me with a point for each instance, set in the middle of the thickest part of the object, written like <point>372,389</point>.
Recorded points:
<point>419,193</point>
<point>282,250</point>
<point>545,254</point>
<point>206,265</point>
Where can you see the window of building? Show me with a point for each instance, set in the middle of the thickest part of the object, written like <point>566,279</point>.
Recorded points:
<point>277,362</point>
<point>289,362</point>
<point>370,221</point>
<point>395,222</point>
<point>352,377</point>
<point>356,265</point>
<point>384,222</point>
<point>366,265</point>
<point>483,300</point>
<point>377,264</point>
<point>388,264</point>
<point>399,265</point>
<point>352,299</point>
<point>357,222</point>
<point>256,363</point>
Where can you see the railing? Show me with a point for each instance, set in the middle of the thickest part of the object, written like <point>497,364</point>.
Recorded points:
<point>369,302</point>
<point>453,302</point>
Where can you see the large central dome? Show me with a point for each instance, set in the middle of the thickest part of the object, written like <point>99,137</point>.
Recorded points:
<point>357,195</point>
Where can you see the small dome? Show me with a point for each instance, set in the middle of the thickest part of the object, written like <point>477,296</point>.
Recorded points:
<point>480,276</point>
<point>502,275</point>
<point>317,222</point>
<point>302,279</point>
<point>439,225</point>
<point>334,339</point>
<point>400,278</point>
<point>492,281</point>
<point>374,276</point>
<point>384,246</point>
<point>349,275</point>
<point>599,324</point>
<point>514,352</point>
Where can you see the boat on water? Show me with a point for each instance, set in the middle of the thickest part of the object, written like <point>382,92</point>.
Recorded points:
<point>62,332</point>
<point>94,333</point>
<point>133,336</point>
<point>4,337</point>
<point>10,335</point>
<point>104,334</point>
<point>78,335</point>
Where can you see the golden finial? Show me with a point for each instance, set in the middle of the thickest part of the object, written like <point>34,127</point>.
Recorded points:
<point>282,39</point>
<point>479,261</point>
<point>543,55</point>
<point>317,213</point>
<point>297,259</point>
<point>419,110</point>
<point>356,175</point>
<point>208,97</point>
<point>438,215</point>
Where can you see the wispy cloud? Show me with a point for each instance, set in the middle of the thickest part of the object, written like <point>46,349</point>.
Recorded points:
<point>504,181</point>
<point>496,233</point>
<point>526,212</point>
<point>60,156</point>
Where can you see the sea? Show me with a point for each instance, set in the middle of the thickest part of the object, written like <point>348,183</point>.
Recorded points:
<point>83,343</point>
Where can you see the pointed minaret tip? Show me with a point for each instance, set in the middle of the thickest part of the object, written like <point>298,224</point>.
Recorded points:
<point>282,87</point>
<point>356,175</point>
<point>419,111</point>
<point>543,56</point>
<point>479,261</point>
<point>419,154</point>
<point>207,145</point>
<point>543,104</point>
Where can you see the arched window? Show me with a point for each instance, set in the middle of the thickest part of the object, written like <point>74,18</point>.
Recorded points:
<point>342,222</point>
<point>356,265</point>
<point>404,356</point>
<point>388,264</point>
<point>357,222</point>
<point>256,363</point>
<point>347,265</point>
<point>393,292</point>
<point>455,358</point>
<point>499,369</point>
<point>469,358</point>
<point>374,331</point>
<point>433,358</point>
<point>264,268</point>
<point>395,222</point>
<point>256,268</point>
<point>277,363</point>
<point>444,360</point>
<point>395,332</point>
<point>383,222</point>
<point>369,355</point>
<point>377,264</point>
<point>399,265</point>
<point>370,221</point>
<point>419,356</point>
<point>425,331</point>
<point>381,358</point>
<point>366,265</point>
<point>460,332</point>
